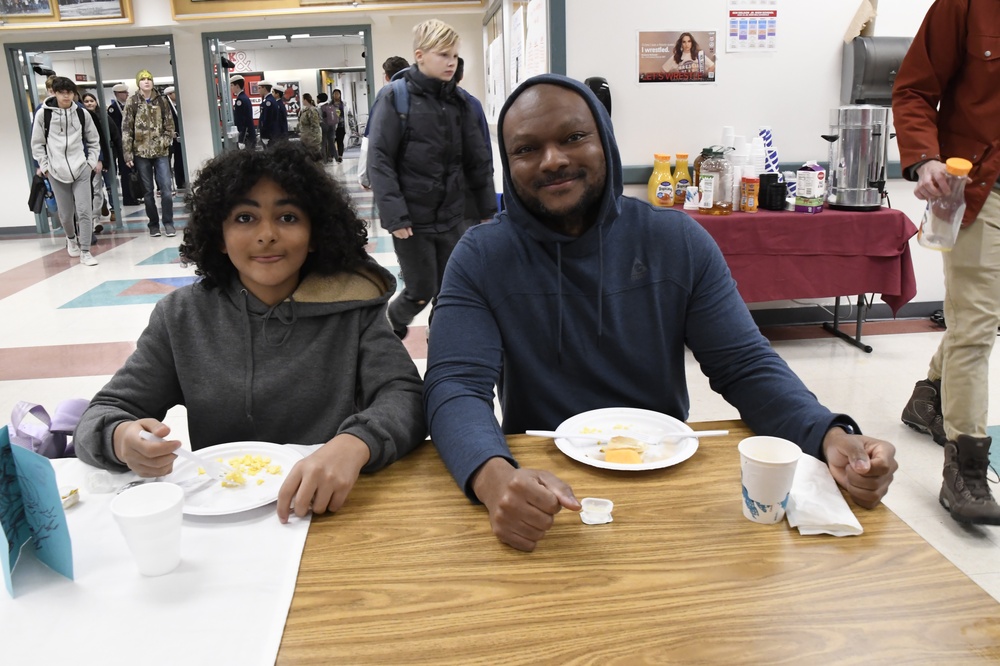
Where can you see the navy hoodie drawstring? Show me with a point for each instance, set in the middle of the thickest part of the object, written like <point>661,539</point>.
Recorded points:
<point>559,300</point>
<point>600,285</point>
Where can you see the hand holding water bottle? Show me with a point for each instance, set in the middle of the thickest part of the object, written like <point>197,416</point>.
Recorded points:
<point>943,187</point>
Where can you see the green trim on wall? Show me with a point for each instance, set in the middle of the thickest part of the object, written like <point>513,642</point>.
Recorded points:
<point>639,175</point>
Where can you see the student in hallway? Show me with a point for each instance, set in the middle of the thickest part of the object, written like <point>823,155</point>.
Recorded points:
<point>147,134</point>
<point>420,174</point>
<point>67,147</point>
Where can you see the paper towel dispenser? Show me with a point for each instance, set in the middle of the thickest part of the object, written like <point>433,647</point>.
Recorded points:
<point>870,66</point>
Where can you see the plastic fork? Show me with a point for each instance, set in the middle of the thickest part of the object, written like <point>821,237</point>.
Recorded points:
<point>212,467</point>
<point>645,438</point>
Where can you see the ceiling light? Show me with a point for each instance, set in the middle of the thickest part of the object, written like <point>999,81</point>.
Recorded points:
<point>82,48</point>
<point>303,36</point>
<point>275,36</point>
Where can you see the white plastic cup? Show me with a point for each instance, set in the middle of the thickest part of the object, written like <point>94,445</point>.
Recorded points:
<point>691,197</point>
<point>767,467</point>
<point>150,517</point>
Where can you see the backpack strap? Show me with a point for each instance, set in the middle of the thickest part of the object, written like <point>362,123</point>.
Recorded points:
<point>401,101</point>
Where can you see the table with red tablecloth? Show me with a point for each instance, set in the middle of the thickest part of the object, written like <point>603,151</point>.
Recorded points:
<point>780,255</point>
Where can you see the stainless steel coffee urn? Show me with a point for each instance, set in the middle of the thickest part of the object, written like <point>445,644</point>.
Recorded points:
<point>859,144</point>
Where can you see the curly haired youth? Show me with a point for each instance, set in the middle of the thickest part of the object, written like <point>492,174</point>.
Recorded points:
<point>338,236</point>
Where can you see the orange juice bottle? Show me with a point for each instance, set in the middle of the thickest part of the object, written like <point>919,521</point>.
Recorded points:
<point>660,189</point>
<point>682,178</point>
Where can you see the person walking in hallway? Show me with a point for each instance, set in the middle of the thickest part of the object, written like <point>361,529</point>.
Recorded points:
<point>176,151</point>
<point>946,103</point>
<point>66,145</point>
<point>339,129</point>
<point>420,173</point>
<point>147,134</point>
<point>116,113</point>
<point>242,114</point>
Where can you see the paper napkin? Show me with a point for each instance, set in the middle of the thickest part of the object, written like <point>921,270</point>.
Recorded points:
<point>815,505</point>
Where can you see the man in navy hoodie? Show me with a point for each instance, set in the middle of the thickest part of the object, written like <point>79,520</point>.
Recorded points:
<point>580,298</point>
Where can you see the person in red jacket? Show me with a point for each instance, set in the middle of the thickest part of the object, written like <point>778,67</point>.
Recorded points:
<point>946,103</point>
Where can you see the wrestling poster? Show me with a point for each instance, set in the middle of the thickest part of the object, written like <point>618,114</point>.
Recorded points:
<point>677,56</point>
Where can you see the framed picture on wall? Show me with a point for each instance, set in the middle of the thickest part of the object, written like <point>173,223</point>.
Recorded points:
<point>26,8</point>
<point>81,10</point>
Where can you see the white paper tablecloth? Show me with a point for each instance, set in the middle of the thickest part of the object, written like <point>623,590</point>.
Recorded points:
<point>225,604</point>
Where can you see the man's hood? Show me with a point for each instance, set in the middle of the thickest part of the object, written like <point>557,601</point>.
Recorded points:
<point>613,186</point>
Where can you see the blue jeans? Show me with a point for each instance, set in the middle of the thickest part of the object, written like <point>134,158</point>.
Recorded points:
<point>161,166</point>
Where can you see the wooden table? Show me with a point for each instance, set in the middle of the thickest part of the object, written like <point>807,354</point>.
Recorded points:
<point>410,573</point>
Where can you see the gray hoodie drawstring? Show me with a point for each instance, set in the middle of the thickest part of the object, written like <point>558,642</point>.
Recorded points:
<point>248,377</point>
<point>289,322</point>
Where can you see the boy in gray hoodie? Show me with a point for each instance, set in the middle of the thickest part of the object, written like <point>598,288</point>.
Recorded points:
<point>66,145</point>
<point>284,339</point>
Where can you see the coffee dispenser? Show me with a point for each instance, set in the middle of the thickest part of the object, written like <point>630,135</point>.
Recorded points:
<point>859,144</point>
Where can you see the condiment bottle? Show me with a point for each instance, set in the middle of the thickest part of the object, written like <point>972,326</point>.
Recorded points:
<point>715,185</point>
<point>660,188</point>
<point>751,193</point>
<point>696,169</point>
<point>943,217</point>
<point>682,178</point>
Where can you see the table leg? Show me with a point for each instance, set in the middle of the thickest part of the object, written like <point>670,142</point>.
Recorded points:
<point>835,326</point>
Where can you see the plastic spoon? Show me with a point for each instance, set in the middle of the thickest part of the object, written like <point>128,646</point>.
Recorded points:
<point>212,467</point>
<point>642,437</point>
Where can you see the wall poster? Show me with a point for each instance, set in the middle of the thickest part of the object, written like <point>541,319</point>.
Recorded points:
<point>677,56</point>
<point>753,26</point>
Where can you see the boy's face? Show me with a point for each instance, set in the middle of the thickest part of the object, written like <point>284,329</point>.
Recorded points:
<point>267,236</point>
<point>64,98</point>
<point>438,64</point>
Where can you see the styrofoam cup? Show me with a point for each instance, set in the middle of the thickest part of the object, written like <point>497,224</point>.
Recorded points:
<point>150,518</point>
<point>767,467</point>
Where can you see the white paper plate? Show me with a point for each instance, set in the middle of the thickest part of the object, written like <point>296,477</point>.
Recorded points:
<point>619,421</point>
<point>204,496</point>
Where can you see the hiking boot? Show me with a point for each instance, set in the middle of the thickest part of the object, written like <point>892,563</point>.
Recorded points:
<point>923,410</point>
<point>73,247</point>
<point>965,491</point>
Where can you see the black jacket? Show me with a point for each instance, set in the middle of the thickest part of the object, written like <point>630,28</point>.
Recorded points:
<point>420,176</point>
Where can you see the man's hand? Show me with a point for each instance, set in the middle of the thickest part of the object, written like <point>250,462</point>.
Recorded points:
<point>403,233</point>
<point>145,457</point>
<point>932,180</point>
<point>522,503</point>
<point>863,466</point>
<point>322,481</point>
<point>99,167</point>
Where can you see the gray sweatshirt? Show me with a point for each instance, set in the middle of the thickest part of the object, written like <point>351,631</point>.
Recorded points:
<point>321,363</point>
<point>70,150</point>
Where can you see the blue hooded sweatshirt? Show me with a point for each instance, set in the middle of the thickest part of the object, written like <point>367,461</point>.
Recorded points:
<point>567,324</point>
